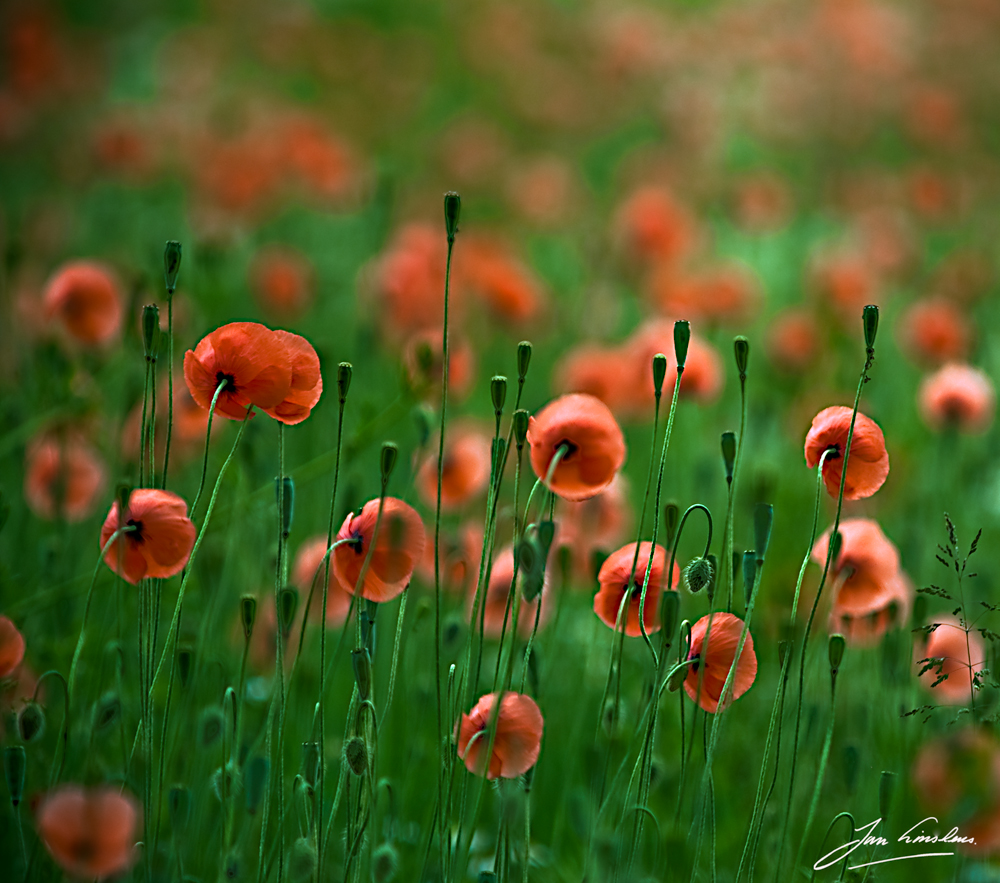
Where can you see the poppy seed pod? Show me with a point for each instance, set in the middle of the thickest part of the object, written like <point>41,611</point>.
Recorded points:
<point>659,372</point>
<point>520,421</point>
<point>682,339</point>
<point>729,455</point>
<point>31,722</point>
<point>171,265</point>
<point>385,863</point>
<point>344,372</point>
<point>869,318</point>
<point>741,349</point>
<point>150,331</point>
<point>836,652</point>
<point>14,763</point>
<point>452,211</point>
<point>288,604</point>
<point>356,753</point>
<point>498,392</point>
<point>248,614</point>
<point>523,359</point>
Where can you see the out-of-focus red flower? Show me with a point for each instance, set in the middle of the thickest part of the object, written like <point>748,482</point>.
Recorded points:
<point>238,174</point>
<point>320,159</point>
<point>35,60</point>
<point>498,595</point>
<point>961,655</point>
<point>542,190</point>
<point>848,283</point>
<point>89,833</point>
<point>868,466</point>
<point>398,548</point>
<point>934,116</point>
<point>793,340</point>
<point>161,542</point>
<point>63,476</point>
<point>11,647</point>
<point>935,330</point>
<point>593,442</point>
<point>509,290</point>
<point>189,427</point>
<point>603,372</point>
<point>594,525</point>
<point>714,660</point>
<point>653,226</point>
<point>466,469</point>
<point>281,279</point>
<point>308,568</point>
<point>516,744</point>
<point>423,360</point>
<point>957,395</point>
<point>702,379</point>
<point>932,194</point>
<point>616,586</point>
<point>725,293</point>
<point>762,202</point>
<point>85,299</point>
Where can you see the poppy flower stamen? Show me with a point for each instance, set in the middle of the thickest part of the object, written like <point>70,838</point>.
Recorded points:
<point>568,448</point>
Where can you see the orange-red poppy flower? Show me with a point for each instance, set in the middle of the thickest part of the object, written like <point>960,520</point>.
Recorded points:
<point>499,591</point>
<point>961,654</point>
<point>727,292</point>
<point>707,675</point>
<point>869,462</point>
<point>935,330</point>
<point>423,359</point>
<point>458,557</point>
<point>306,385</point>
<point>847,282</point>
<point>309,567</point>
<point>867,629</point>
<point>398,548</point>
<point>960,396</point>
<point>11,647</point>
<point>282,281</point>
<point>466,469</point>
<point>615,586</point>
<point>506,286</point>
<point>64,477</point>
<point>161,542</point>
<point>793,340</point>
<point>654,226</point>
<point>594,447</point>
<point>253,360</point>
<point>89,833</point>
<point>702,379</point>
<point>85,298</point>
<point>605,373</point>
<point>518,739</point>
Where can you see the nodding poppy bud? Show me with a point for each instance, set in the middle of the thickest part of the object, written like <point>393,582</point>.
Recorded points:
<point>385,863</point>
<point>836,653</point>
<point>179,808</point>
<point>31,722</point>
<point>670,605</point>
<point>530,560</point>
<point>523,359</point>
<point>685,638</point>
<point>344,372</point>
<point>387,461</point>
<point>171,264</point>
<point>227,781</point>
<point>886,788</point>
<point>185,662</point>
<point>729,455</point>
<point>356,753</point>
<point>361,662</point>
<point>546,532</point>
<point>741,347</point>
<point>150,331</point>
<point>869,318</point>
<point>520,421</point>
<point>311,759</point>
<point>210,726</point>
<point>698,574</point>
<point>763,516</point>
<point>248,614</point>
<point>659,372</point>
<point>498,392</point>
<point>676,676</point>
<point>284,491</point>
<point>671,518</point>
<point>288,603</point>
<point>452,210</point>
<point>256,777</point>
<point>107,710</point>
<point>14,762</point>
<point>714,563</point>
<point>749,574</point>
<point>682,337</point>
<point>302,860</point>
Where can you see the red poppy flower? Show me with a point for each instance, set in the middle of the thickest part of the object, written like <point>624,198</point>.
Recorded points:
<point>715,661</point>
<point>505,285</point>
<point>654,226</point>
<point>727,292</point>
<point>959,396</point>
<point>605,373</point>
<point>869,462</point>
<point>86,299</point>
<point>306,385</point>
<point>282,281</point>
<point>11,647</point>
<point>847,282</point>
<point>64,474</point>
<point>702,379</point>
<point>935,330</point>
<point>254,361</point>
<point>497,593</point>
<point>595,446</point>
<point>309,562</point>
<point>614,580</point>
<point>466,469</point>
<point>518,739</point>
<point>89,833</point>
<point>793,340</point>
<point>423,360</point>
<point>961,656</point>
<point>398,548</point>
<point>161,543</point>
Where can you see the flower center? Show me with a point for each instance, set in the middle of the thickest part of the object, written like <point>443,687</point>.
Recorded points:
<point>833,453</point>
<point>357,542</point>
<point>696,663</point>
<point>136,534</point>
<point>634,589</point>
<point>571,448</point>
<point>230,382</point>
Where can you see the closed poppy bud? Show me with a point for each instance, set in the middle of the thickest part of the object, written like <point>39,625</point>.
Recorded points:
<point>675,678</point>
<point>741,348</point>
<point>520,421</point>
<point>836,652</point>
<point>31,722</point>
<point>179,808</point>
<point>670,607</point>
<point>729,454</point>
<point>284,491</point>
<point>107,711</point>
<point>256,780</point>
<point>886,788</point>
<point>671,518</point>
<point>387,460</point>
<point>713,561</point>
<point>498,392</point>
<point>523,359</point>
<point>749,574</point>
<point>185,662</point>
<point>452,210</point>
<point>344,372</point>
<point>356,753</point>
<point>682,338</point>
<point>288,603</point>
<point>248,614</point>
<point>385,863</point>
<point>362,664</point>
<point>150,331</point>
<point>698,574</point>
<point>13,769</point>
<point>763,516</point>
<point>529,559</point>
<point>311,759</point>
<point>659,372</point>
<point>869,318</point>
<point>171,264</point>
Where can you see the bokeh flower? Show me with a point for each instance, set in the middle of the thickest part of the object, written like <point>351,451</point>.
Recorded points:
<point>11,647</point>
<point>516,744</point>
<point>952,653</point>
<point>868,466</point>
<point>499,602</point>
<point>713,660</point>
<point>959,396</point>
<point>85,299</point>
<point>466,469</point>
<point>63,476</point>
<point>162,539</point>
<point>615,586</point>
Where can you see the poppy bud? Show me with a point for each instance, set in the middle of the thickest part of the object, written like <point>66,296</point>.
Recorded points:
<point>210,726</point>
<point>385,863</point>
<point>248,614</point>
<point>361,662</point>
<point>685,638</point>
<point>741,347</point>
<point>698,574</point>
<point>150,331</point>
<point>452,210</point>
<point>659,372</point>
<point>498,392</point>
<point>257,772</point>
<point>31,722</point>
<point>670,605</point>
<point>171,264</point>
<point>763,516</point>
<point>530,560</point>
<point>671,518</point>
<point>886,788</point>
<point>682,337</point>
<point>288,603</point>
<point>14,762</point>
<point>179,808</point>
<point>356,753</point>
<point>676,676</point>
<point>107,710</point>
<point>714,563</point>
<point>520,421</point>
<point>749,574</point>
<point>836,652</point>
<point>302,860</point>
<point>311,760</point>
<point>284,490</point>
<point>523,359</point>
<point>423,417</point>
<point>185,662</point>
<point>729,454</point>
<point>545,532</point>
<point>227,781</point>
<point>344,372</point>
<point>869,317</point>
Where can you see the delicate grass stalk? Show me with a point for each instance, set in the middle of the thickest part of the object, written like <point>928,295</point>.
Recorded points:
<point>395,653</point>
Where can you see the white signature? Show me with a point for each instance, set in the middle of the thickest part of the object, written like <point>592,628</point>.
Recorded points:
<point>913,835</point>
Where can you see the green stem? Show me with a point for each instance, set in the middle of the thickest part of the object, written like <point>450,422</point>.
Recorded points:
<point>170,385</point>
